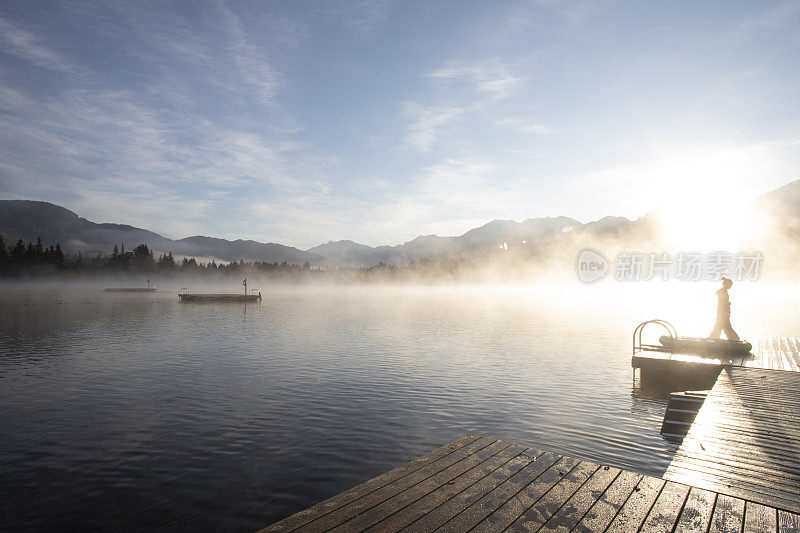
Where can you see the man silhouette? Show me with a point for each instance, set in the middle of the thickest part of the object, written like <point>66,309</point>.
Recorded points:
<point>724,313</point>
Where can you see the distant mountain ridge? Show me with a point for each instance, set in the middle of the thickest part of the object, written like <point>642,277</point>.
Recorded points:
<point>29,220</point>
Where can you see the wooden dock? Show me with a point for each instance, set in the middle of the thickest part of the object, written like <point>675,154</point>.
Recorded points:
<point>737,470</point>
<point>745,441</point>
<point>482,484</point>
<point>776,353</point>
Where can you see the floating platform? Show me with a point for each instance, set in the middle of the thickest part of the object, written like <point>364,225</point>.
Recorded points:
<point>186,297</point>
<point>482,484</point>
<point>745,440</point>
<point>130,289</point>
<point>775,353</point>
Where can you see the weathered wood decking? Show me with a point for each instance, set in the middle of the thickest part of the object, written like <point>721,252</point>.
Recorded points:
<point>745,441</point>
<point>776,353</point>
<point>482,484</point>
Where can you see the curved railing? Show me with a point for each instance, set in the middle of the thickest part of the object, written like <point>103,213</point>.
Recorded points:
<point>637,336</point>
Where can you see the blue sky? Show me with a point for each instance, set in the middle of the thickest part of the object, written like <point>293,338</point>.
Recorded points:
<point>305,121</point>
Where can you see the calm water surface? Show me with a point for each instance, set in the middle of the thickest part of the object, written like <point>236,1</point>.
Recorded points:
<point>136,412</point>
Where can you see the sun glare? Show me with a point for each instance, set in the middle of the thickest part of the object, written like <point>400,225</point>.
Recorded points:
<point>708,205</point>
<point>710,224</point>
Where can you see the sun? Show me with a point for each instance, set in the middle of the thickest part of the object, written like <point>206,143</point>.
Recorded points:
<point>710,222</point>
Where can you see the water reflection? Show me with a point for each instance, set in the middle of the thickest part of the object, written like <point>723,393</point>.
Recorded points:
<point>232,416</point>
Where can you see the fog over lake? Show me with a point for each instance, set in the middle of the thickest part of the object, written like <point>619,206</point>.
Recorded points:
<point>122,411</point>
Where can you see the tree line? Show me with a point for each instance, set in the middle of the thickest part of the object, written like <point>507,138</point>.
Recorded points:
<point>22,260</point>
<point>19,257</point>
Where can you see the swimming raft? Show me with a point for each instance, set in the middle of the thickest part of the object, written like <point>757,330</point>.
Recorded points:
<point>184,296</point>
<point>149,288</point>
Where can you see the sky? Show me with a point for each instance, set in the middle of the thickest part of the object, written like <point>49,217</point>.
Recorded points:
<point>302,121</point>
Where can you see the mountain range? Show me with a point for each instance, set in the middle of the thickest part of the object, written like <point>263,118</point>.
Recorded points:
<point>29,220</point>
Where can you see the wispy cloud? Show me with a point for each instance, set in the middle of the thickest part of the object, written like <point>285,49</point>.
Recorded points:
<point>299,122</point>
<point>775,16</point>
<point>153,153</point>
<point>426,124</point>
<point>30,46</point>
<point>458,90</point>
<point>446,198</point>
<point>359,16</point>
<point>522,125</point>
<point>487,79</point>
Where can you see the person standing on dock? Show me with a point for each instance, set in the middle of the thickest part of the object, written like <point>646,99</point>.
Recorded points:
<point>724,313</point>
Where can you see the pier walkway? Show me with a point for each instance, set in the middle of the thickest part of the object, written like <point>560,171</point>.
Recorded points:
<point>745,441</point>
<point>482,484</point>
<point>737,470</point>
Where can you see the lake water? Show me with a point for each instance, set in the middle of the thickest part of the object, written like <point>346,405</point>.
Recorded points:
<point>137,412</point>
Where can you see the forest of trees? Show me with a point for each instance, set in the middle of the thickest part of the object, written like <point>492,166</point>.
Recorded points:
<point>25,260</point>
<point>18,257</point>
<point>21,260</point>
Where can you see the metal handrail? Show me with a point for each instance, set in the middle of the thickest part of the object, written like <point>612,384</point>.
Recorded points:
<point>637,333</point>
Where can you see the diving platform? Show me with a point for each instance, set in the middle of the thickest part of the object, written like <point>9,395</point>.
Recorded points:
<point>482,484</point>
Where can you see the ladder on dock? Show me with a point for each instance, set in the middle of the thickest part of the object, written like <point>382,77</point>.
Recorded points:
<point>681,411</point>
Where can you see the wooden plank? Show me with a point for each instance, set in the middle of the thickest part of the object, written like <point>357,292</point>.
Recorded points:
<point>482,507</point>
<point>482,484</point>
<point>788,347</point>
<point>568,517</point>
<point>794,350</point>
<point>366,502</point>
<point>768,469</point>
<point>535,517</point>
<point>483,477</point>
<point>306,515</point>
<point>600,515</point>
<point>760,518</point>
<point>502,517</point>
<point>746,440</point>
<point>739,422</point>
<point>664,514</point>
<point>633,512</point>
<point>742,490</point>
<point>726,434</point>
<point>696,512</point>
<point>692,472</point>
<point>735,477</point>
<point>728,515</point>
<point>448,510</point>
<point>788,522</point>
<point>444,478</point>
